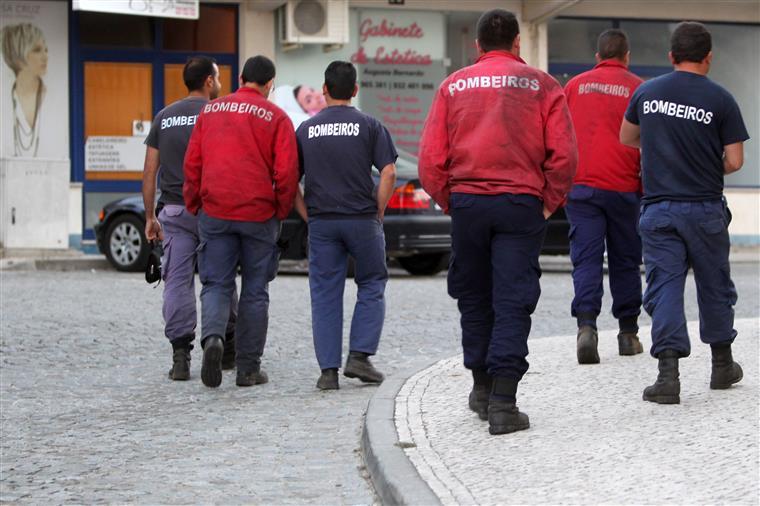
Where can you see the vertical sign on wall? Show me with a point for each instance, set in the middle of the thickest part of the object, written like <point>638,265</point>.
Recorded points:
<point>400,63</point>
<point>34,96</point>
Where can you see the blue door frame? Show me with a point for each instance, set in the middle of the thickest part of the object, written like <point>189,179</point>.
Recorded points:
<point>79,54</point>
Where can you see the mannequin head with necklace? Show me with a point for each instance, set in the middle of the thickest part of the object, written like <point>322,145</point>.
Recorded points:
<point>25,51</point>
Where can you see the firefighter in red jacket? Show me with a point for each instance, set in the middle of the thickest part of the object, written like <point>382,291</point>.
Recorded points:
<point>497,153</point>
<point>241,175</point>
<point>603,205</point>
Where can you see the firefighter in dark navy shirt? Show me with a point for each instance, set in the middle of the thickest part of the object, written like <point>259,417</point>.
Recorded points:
<point>498,153</point>
<point>337,149</point>
<point>691,134</point>
<point>603,205</point>
<point>175,225</point>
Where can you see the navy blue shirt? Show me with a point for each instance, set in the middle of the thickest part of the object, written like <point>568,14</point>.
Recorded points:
<point>685,121</point>
<point>336,151</point>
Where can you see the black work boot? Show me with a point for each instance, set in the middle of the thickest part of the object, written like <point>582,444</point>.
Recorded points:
<point>503,415</point>
<point>328,380</point>
<point>586,345</point>
<point>667,388</point>
<point>180,370</point>
<point>629,344</point>
<point>248,379</point>
<point>211,370</point>
<point>359,366</point>
<point>228,357</point>
<point>725,372</point>
<point>481,391</point>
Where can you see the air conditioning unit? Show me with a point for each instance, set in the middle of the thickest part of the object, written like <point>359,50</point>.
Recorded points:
<point>314,22</point>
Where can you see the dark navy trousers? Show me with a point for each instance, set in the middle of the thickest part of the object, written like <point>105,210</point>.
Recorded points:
<point>598,218</point>
<point>494,276</point>
<point>225,244</point>
<point>330,243</point>
<point>676,236</point>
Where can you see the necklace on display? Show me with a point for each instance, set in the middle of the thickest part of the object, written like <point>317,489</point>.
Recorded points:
<point>26,140</point>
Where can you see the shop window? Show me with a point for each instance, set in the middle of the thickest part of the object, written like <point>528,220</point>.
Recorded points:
<point>735,66</point>
<point>574,40</point>
<point>115,30</point>
<point>116,95</point>
<point>214,32</point>
<point>649,41</point>
<point>174,85</point>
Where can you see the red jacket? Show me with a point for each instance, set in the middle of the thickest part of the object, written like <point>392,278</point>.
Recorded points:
<point>498,126</point>
<point>597,100</point>
<point>242,161</point>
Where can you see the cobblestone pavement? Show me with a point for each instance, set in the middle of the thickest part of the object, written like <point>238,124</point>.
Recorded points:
<point>592,439</point>
<point>88,414</point>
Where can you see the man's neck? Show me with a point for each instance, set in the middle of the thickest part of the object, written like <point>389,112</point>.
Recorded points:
<point>199,94</point>
<point>693,67</point>
<point>331,102</point>
<point>257,87</point>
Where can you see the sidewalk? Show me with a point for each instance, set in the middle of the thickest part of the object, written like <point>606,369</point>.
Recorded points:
<point>592,439</point>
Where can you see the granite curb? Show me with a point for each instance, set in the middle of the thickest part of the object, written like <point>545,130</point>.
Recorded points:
<point>393,475</point>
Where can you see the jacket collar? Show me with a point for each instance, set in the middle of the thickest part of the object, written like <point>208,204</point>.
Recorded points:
<point>612,62</point>
<point>499,53</point>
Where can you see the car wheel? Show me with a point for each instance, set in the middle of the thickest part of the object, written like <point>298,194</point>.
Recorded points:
<point>424,265</point>
<point>126,246</point>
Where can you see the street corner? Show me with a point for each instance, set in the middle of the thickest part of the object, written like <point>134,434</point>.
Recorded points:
<point>592,438</point>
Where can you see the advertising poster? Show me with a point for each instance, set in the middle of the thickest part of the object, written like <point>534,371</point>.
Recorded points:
<point>34,96</point>
<point>400,65</point>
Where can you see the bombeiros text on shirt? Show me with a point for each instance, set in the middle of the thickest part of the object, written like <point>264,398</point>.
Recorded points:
<point>240,108</point>
<point>334,129</point>
<point>617,90</point>
<point>675,110</point>
<point>175,121</point>
<point>501,81</point>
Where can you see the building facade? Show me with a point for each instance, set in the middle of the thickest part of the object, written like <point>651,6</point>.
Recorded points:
<point>106,74</point>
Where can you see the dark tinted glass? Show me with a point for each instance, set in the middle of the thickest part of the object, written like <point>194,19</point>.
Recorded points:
<point>98,29</point>
<point>214,32</point>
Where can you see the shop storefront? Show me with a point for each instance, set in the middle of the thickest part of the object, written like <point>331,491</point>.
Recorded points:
<point>75,115</point>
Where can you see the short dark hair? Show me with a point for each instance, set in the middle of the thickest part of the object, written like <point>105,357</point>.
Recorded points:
<point>497,29</point>
<point>340,79</point>
<point>258,69</point>
<point>197,70</point>
<point>690,42</point>
<point>612,43</point>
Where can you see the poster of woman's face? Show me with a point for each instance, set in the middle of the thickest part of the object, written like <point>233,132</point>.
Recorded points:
<point>34,101</point>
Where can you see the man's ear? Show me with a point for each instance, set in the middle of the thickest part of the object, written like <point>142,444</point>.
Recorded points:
<point>627,59</point>
<point>708,58</point>
<point>516,45</point>
<point>480,49</point>
<point>670,57</point>
<point>598,58</point>
<point>356,90</point>
<point>324,90</point>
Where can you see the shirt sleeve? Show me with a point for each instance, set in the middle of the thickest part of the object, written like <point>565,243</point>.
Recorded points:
<point>434,152</point>
<point>632,113</point>
<point>152,138</point>
<point>383,150</point>
<point>732,128</point>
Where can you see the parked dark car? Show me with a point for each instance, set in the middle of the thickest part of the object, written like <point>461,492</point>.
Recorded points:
<point>417,233</point>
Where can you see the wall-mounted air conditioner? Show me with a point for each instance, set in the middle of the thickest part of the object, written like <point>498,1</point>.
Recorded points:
<point>314,22</point>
